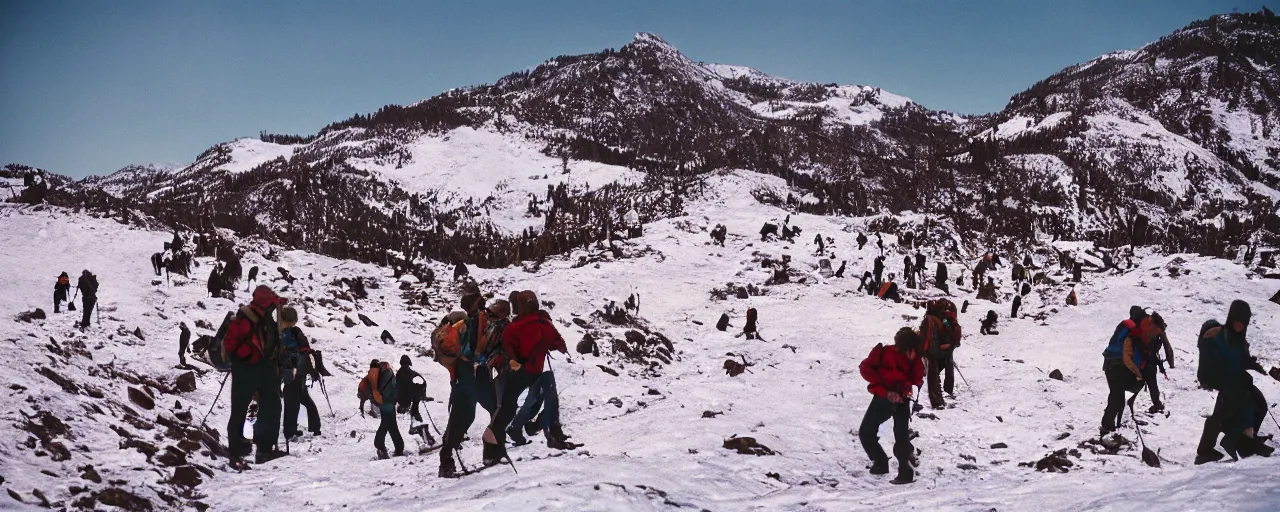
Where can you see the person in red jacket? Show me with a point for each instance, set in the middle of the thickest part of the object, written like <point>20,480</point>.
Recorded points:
<point>891,373</point>
<point>525,344</point>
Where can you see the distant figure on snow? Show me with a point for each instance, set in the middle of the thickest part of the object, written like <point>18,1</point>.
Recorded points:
<point>60,290</point>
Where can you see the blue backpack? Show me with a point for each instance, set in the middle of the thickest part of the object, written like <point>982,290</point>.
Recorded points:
<point>1215,357</point>
<point>388,390</point>
<point>1115,347</point>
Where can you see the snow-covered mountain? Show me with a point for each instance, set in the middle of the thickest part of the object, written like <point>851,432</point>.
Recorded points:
<point>1171,144</point>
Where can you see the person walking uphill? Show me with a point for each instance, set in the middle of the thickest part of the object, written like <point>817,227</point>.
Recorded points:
<point>454,342</point>
<point>1154,363</point>
<point>525,344</point>
<point>60,291</point>
<point>87,286</point>
<point>382,380</point>
<point>1240,407</point>
<point>1122,373</point>
<point>891,372</point>
<point>940,335</point>
<point>296,365</point>
<point>252,344</point>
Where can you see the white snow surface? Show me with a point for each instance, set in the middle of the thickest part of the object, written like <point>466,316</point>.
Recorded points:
<point>656,452</point>
<point>249,152</point>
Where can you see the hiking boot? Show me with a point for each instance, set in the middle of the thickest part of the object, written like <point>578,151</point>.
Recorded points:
<point>557,440</point>
<point>264,456</point>
<point>493,454</point>
<point>1230,448</point>
<point>1209,456</point>
<point>1249,447</point>
<point>447,468</point>
<point>532,428</point>
<point>517,438</point>
<point>904,477</point>
<point>315,433</point>
<point>1155,408</point>
<point>880,467</point>
<point>1106,429</point>
<point>399,452</point>
<point>382,454</point>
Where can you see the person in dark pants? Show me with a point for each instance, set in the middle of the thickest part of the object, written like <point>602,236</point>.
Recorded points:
<point>60,290</point>
<point>184,340</point>
<point>407,400</point>
<point>252,343</point>
<point>1155,365</point>
<point>1240,406</point>
<point>297,351</point>
<point>384,396</point>
<point>1120,379</point>
<point>470,384</point>
<point>891,372</point>
<point>87,286</point>
<point>525,344</point>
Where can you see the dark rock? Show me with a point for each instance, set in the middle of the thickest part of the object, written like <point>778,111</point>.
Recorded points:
<point>204,324</point>
<point>387,337</point>
<point>44,502</point>
<point>15,495</point>
<point>1056,375</point>
<point>186,382</point>
<point>63,382</point>
<point>734,368</point>
<point>999,446</point>
<point>76,489</point>
<point>747,446</point>
<point>365,320</point>
<point>1274,373</point>
<point>588,344</point>
<point>120,498</point>
<point>186,476</point>
<point>580,322</point>
<point>615,401</point>
<point>171,457</point>
<point>184,416</point>
<point>1063,435</point>
<point>143,447</point>
<point>90,474</point>
<point>967,466</point>
<point>654,392</point>
<point>45,426</point>
<point>141,398</point>
<point>607,370</point>
<point>404,285</point>
<point>57,451</point>
<point>29,316</point>
<point>711,414</point>
<point>347,321</point>
<point>927,416</point>
<point>137,332</point>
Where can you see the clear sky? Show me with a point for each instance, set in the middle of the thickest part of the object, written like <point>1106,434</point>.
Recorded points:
<point>87,87</point>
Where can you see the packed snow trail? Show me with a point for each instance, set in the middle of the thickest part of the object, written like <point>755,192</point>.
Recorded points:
<point>655,451</point>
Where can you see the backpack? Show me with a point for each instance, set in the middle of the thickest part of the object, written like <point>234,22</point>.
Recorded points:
<point>941,327</point>
<point>295,363</point>
<point>215,351</point>
<point>261,342</point>
<point>90,286</point>
<point>1213,361</point>
<point>1115,347</point>
<point>446,340</point>
<point>387,387</point>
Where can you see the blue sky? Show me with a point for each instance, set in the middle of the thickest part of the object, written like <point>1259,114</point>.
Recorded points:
<point>87,87</point>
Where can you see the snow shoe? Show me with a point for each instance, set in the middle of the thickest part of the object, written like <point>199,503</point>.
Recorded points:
<point>880,467</point>
<point>447,467</point>
<point>559,442</point>
<point>557,430</point>
<point>1155,409</point>
<point>517,438</point>
<point>265,456</point>
<point>382,454</point>
<point>903,479</point>
<point>1210,456</point>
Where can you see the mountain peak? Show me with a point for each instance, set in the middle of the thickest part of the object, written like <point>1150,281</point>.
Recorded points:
<point>650,38</point>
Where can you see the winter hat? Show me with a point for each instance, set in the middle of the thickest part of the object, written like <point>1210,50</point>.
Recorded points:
<point>263,297</point>
<point>906,339</point>
<point>373,364</point>
<point>1239,312</point>
<point>404,360</point>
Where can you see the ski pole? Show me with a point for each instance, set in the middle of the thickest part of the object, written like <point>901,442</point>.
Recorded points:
<point>215,398</point>
<point>326,397</point>
<point>957,368</point>
<point>432,420</point>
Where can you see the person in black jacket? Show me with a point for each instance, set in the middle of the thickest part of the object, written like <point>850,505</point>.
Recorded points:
<point>60,290</point>
<point>407,399</point>
<point>87,287</point>
<point>878,270</point>
<point>215,281</point>
<point>184,339</point>
<point>1240,407</point>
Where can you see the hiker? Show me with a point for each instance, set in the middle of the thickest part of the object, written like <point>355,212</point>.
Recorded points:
<point>460,270</point>
<point>891,372</point>
<point>989,324</point>
<point>1076,270</point>
<point>867,283</point>
<point>940,279</point>
<point>718,234</point>
<point>87,287</point>
<point>920,262</point>
<point>407,399</point>
<point>1154,364</point>
<point>1118,367</point>
<point>880,243</point>
<point>889,291</point>
<point>296,361</point>
<point>909,271</point>
<point>1071,298</point>
<point>252,343</point>
<point>382,382</point>
<point>840,271</point>
<point>232,272</point>
<point>470,385</point>
<point>542,395</point>
<point>1017,304</point>
<point>749,329</point>
<point>878,269</point>
<point>988,291</point>
<point>767,230</point>
<point>215,281</point>
<point>184,339</point>
<point>1240,407</point>
<point>940,335</point>
<point>525,343</point>
<point>862,240</point>
<point>60,290</point>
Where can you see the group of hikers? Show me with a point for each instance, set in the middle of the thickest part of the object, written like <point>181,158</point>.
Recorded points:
<point>492,358</point>
<point>86,288</point>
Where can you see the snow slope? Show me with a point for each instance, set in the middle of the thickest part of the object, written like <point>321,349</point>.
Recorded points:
<point>802,397</point>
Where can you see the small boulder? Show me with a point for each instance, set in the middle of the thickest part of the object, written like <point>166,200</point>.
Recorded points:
<point>186,476</point>
<point>141,399</point>
<point>347,321</point>
<point>747,446</point>
<point>137,332</point>
<point>90,474</point>
<point>999,446</point>
<point>204,324</point>
<point>387,337</point>
<point>608,370</point>
<point>588,345</point>
<point>186,382</point>
<point>29,316</point>
<point>365,320</point>
<point>1056,375</point>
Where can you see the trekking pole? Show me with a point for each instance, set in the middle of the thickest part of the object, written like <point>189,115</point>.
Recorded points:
<point>326,397</point>
<point>957,368</point>
<point>215,398</point>
<point>433,421</point>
